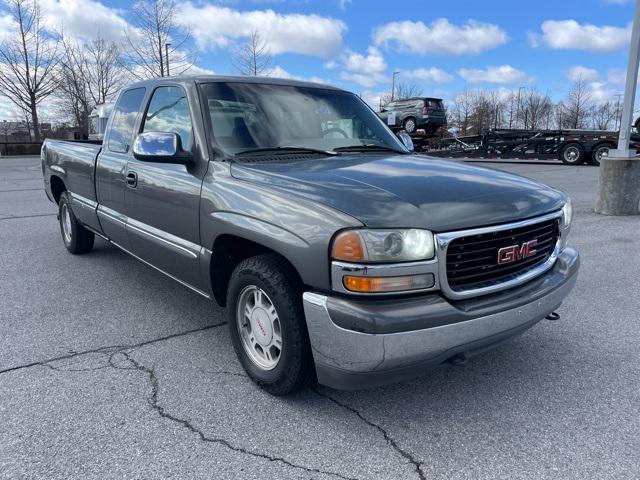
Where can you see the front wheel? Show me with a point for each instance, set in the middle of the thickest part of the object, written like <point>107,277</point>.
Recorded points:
<point>572,154</point>
<point>76,238</point>
<point>410,125</point>
<point>267,324</point>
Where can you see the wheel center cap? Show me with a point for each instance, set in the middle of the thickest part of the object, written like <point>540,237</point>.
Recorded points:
<point>261,326</point>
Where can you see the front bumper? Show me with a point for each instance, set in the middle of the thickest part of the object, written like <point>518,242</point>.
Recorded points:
<point>359,345</point>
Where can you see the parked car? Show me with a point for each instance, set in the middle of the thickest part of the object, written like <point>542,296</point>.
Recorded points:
<point>411,114</point>
<point>335,250</point>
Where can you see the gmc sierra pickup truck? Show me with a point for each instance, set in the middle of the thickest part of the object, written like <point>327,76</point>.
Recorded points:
<point>337,252</point>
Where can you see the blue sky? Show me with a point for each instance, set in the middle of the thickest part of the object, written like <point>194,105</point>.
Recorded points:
<point>547,65</point>
<point>442,47</point>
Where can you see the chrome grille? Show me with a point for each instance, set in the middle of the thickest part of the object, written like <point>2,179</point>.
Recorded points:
<point>472,259</point>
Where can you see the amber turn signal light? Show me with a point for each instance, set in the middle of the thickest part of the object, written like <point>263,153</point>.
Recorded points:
<point>388,284</point>
<point>348,246</point>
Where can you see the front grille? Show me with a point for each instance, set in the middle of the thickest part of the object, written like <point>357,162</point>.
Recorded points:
<point>472,261</point>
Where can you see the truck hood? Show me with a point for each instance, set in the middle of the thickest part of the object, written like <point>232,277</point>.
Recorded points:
<point>407,190</point>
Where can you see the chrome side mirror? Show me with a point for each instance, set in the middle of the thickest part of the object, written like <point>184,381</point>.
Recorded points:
<point>406,140</point>
<point>161,147</point>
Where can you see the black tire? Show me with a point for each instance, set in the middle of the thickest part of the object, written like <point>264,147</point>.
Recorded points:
<point>78,240</point>
<point>410,125</point>
<point>275,277</point>
<point>572,154</point>
<point>597,152</point>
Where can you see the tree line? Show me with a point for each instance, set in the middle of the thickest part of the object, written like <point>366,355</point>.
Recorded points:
<point>37,64</point>
<point>475,111</point>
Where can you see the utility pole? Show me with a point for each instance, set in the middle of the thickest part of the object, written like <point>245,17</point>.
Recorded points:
<point>393,84</point>
<point>619,185</point>
<point>166,51</point>
<point>518,108</point>
<point>618,112</point>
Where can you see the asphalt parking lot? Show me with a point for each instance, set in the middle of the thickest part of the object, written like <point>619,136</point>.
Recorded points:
<point>110,370</point>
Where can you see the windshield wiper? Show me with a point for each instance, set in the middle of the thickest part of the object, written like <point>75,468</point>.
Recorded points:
<point>286,148</point>
<point>366,148</point>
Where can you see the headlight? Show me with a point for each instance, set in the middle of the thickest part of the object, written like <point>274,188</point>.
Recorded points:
<point>567,214</point>
<point>383,246</point>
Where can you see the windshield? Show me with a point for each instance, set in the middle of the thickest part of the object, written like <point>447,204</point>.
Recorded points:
<point>256,116</point>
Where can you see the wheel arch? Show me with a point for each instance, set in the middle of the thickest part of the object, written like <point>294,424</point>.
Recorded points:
<point>57,187</point>
<point>228,251</point>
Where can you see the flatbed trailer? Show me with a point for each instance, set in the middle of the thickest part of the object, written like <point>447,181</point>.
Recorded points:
<point>572,147</point>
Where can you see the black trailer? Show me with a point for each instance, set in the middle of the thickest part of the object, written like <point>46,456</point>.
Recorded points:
<point>572,147</point>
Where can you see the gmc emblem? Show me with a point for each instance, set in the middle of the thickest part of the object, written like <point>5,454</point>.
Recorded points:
<point>513,253</point>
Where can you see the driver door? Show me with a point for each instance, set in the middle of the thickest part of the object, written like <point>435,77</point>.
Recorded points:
<point>163,203</point>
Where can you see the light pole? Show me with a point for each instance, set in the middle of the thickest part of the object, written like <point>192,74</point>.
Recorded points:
<point>393,84</point>
<point>619,185</point>
<point>166,51</point>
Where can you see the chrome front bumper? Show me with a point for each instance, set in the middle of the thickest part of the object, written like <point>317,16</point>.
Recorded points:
<point>348,359</point>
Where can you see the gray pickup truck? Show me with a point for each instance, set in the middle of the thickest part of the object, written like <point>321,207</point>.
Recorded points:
<point>337,252</point>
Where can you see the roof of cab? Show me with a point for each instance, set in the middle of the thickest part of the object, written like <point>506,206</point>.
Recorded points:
<point>229,78</point>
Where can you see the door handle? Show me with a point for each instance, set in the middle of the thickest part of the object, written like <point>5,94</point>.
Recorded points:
<point>132,179</point>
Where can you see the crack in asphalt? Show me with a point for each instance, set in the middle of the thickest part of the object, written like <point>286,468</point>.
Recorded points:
<point>408,456</point>
<point>154,403</point>
<point>126,351</point>
<point>108,349</point>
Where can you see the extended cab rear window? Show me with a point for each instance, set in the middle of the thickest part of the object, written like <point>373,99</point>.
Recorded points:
<point>124,120</point>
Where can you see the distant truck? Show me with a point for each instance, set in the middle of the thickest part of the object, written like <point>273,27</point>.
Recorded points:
<point>571,147</point>
<point>98,120</point>
<point>413,114</point>
<point>338,254</point>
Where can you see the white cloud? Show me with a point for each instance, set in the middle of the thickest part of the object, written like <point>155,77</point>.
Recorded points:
<point>85,19</point>
<point>218,27</point>
<point>428,75</point>
<point>7,27</point>
<point>364,70</point>
<point>601,92</point>
<point>584,74</point>
<point>279,72</point>
<point>372,63</point>
<point>504,74</point>
<point>440,37</point>
<point>617,76</point>
<point>569,34</point>
<point>373,98</point>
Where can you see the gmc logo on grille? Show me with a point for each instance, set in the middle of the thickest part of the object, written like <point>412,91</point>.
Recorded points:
<point>513,253</point>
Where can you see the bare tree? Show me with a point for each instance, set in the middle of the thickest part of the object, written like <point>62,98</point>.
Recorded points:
<point>155,38</point>
<point>106,75</point>
<point>535,109</point>
<point>604,115</point>
<point>27,61</point>
<point>461,112</point>
<point>253,57</point>
<point>578,105</point>
<point>403,91</point>
<point>74,90</point>
<point>88,75</point>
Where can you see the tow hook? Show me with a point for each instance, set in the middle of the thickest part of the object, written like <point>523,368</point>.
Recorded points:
<point>459,360</point>
<point>553,316</point>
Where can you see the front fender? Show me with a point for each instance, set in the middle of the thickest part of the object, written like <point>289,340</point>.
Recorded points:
<point>294,227</point>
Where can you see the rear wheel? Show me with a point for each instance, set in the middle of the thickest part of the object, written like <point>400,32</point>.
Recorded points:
<point>572,154</point>
<point>76,238</point>
<point>410,125</point>
<point>598,153</point>
<point>267,324</point>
